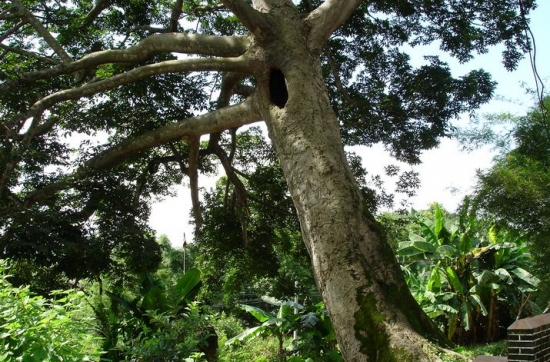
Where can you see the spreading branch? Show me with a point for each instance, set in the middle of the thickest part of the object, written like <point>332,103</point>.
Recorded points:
<point>170,66</point>
<point>220,46</point>
<point>240,114</point>
<point>11,31</point>
<point>326,18</point>
<point>252,19</point>
<point>336,75</point>
<point>94,13</point>
<point>30,54</point>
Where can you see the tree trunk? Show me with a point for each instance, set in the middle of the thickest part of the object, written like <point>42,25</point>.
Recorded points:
<point>374,315</point>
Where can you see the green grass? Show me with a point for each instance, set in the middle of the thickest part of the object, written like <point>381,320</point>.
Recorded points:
<point>491,349</point>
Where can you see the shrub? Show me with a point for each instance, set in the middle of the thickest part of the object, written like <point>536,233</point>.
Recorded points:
<point>33,328</point>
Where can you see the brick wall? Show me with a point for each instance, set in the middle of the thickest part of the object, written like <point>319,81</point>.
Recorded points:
<point>529,339</point>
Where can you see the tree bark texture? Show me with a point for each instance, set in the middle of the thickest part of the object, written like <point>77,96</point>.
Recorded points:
<point>374,315</point>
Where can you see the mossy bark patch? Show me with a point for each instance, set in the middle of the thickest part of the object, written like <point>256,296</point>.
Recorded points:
<point>370,330</point>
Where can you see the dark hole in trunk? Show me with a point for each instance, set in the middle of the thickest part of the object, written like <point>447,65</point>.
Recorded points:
<point>277,88</point>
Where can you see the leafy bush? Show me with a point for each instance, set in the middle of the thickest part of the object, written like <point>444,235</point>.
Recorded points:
<point>168,338</point>
<point>33,328</point>
<point>227,326</point>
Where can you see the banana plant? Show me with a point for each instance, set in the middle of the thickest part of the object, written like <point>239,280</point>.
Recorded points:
<point>312,326</point>
<point>278,325</point>
<point>154,305</point>
<point>462,277</point>
<point>154,296</point>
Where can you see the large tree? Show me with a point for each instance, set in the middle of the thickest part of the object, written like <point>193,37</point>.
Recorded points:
<point>320,74</point>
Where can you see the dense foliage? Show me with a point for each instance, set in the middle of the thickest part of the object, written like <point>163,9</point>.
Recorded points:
<point>33,328</point>
<point>91,220</point>
<point>470,279</point>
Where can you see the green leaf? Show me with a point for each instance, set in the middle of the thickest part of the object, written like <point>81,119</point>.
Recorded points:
<point>424,246</point>
<point>476,300</point>
<point>448,250</point>
<point>309,319</point>
<point>465,313</point>
<point>155,299</point>
<point>415,237</point>
<point>435,279</point>
<point>504,275</point>
<point>485,277</point>
<point>186,285</point>
<point>409,251</point>
<point>525,276</point>
<point>454,280</point>
<point>248,334</point>
<point>258,313</point>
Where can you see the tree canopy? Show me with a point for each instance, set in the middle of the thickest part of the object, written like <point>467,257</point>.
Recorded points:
<point>103,104</point>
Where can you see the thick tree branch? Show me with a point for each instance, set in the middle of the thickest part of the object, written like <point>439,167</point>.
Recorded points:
<point>212,122</point>
<point>41,29</point>
<point>326,18</point>
<point>193,172</point>
<point>171,66</point>
<point>241,114</point>
<point>94,13</point>
<point>11,31</point>
<point>229,81</point>
<point>252,19</point>
<point>222,46</point>
<point>244,90</point>
<point>199,10</point>
<point>175,15</point>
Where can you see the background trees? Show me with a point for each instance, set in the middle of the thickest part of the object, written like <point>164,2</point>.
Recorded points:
<point>515,190</point>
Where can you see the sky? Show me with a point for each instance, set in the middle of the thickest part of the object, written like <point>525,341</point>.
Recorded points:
<point>447,174</point>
